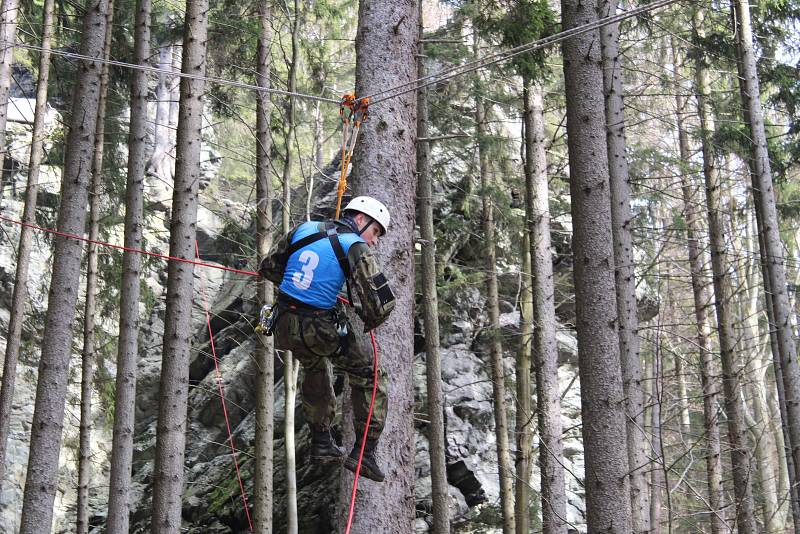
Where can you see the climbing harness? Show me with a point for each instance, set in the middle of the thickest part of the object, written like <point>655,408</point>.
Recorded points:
<point>353,111</point>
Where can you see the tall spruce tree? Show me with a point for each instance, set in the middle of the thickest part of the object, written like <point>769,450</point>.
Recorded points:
<point>265,396</point>
<point>9,13</point>
<point>602,396</point>
<point>624,273</point>
<point>764,197</point>
<point>384,162</point>
<point>291,367</point>
<point>554,497</point>
<point>51,389</point>
<point>494,341</point>
<point>119,493</point>
<point>174,384</point>
<point>440,494</point>
<point>19,295</point>
<point>723,294</point>
<point>88,353</point>
<point>700,298</point>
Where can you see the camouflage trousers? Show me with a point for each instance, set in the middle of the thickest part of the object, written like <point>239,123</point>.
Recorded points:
<point>313,337</point>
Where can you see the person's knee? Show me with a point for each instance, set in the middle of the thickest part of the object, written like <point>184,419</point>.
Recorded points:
<point>364,378</point>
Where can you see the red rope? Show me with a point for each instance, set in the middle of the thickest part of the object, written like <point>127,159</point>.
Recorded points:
<point>127,249</point>
<point>366,431</point>
<point>214,352</point>
<point>222,393</point>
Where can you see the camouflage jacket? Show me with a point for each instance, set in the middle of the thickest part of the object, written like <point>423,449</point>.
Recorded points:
<point>368,283</point>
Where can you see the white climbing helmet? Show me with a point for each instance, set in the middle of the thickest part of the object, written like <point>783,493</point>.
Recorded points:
<point>371,207</point>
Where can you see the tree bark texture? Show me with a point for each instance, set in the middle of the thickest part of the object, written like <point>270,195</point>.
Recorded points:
<point>723,302</point>
<point>265,396</point>
<point>602,396</point>
<point>19,296</point>
<point>173,389</point>
<point>291,369</point>
<point>782,437</point>
<point>764,197</point>
<point>291,111</point>
<point>659,472</point>
<point>119,504</point>
<point>290,365</point>
<point>48,417</point>
<point>621,217</point>
<point>757,413</point>
<point>384,163</point>
<point>494,341</point>
<point>88,355</point>
<point>161,163</point>
<point>699,276</point>
<point>9,12</point>
<point>523,427</point>
<point>440,493</point>
<point>545,350</point>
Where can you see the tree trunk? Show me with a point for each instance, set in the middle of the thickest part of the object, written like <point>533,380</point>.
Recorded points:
<point>9,12</point>
<point>48,416</point>
<point>505,473</point>
<point>545,350</point>
<point>161,164</point>
<point>119,504</point>
<point>778,409</point>
<point>319,138</point>
<point>384,163</point>
<point>764,444</point>
<point>290,366</point>
<point>755,365</point>
<point>708,368</point>
<point>624,273</point>
<point>88,354</point>
<point>731,366</point>
<point>440,494</point>
<point>173,389</point>
<point>523,466</point>
<point>19,296</point>
<point>654,387</point>
<point>265,397</point>
<point>291,110</point>
<point>764,198</point>
<point>780,416</point>
<point>602,395</point>
<point>683,396</point>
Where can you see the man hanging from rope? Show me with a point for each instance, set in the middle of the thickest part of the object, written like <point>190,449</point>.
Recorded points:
<point>311,264</point>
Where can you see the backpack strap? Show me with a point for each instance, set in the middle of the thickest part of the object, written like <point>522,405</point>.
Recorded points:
<point>307,240</point>
<point>333,237</point>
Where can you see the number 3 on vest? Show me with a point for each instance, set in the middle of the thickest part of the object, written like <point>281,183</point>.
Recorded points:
<point>302,279</point>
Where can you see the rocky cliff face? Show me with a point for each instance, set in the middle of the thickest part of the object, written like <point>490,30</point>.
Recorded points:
<point>212,501</point>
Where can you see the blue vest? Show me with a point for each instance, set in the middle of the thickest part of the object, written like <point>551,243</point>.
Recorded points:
<point>313,274</point>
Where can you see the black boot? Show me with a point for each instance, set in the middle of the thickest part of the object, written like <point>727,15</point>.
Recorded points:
<point>323,448</point>
<point>369,465</point>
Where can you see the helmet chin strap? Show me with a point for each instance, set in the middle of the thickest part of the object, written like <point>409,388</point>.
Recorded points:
<point>369,223</point>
